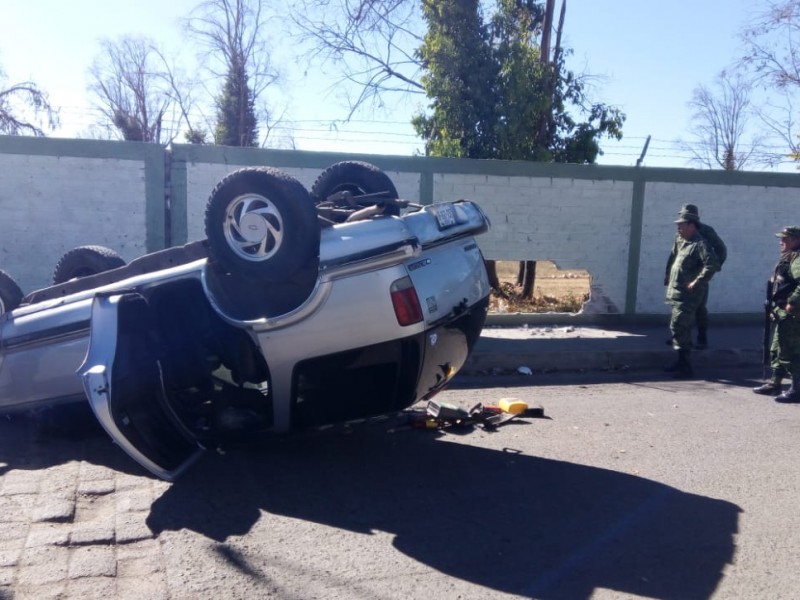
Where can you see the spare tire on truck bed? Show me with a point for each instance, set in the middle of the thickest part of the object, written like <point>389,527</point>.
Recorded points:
<point>353,185</point>
<point>10,293</point>
<point>84,261</point>
<point>261,223</point>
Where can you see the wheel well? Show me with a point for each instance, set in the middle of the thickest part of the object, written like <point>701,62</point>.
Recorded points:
<point>216,380</point>
<point>198,341</point>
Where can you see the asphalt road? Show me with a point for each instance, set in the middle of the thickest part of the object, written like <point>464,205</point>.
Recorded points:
<point>630,486</point>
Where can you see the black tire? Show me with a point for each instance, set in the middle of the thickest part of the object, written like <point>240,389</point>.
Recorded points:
<point>84,261</point>
<point>10,294</point>
<point>358,178</point>
<point>261,223</point>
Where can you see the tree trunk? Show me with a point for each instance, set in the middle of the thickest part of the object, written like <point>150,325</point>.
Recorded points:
<point>491,271</point>
<point>528,279</point>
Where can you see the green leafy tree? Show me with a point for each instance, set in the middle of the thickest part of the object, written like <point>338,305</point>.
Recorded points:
<point>540,110</point>
<point>236,117</point>
<point>522,96</point>
<point>495,94</point>
<point>461,78</point>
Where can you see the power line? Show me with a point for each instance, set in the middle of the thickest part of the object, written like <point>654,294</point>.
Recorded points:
<point>335,130</point>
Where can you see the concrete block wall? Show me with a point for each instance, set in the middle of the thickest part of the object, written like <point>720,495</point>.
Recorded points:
<point>615,222</point>
<point>55,196</point>
<point>565,221</point>
<point>197,170</point>
<point>745,216</point>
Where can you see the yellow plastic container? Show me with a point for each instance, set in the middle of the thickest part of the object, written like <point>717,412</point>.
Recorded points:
<point>512,405</point>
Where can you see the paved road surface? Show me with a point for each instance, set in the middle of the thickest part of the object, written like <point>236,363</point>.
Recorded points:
<point>632,486</point>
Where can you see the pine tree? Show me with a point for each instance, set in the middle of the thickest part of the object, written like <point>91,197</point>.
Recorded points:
<point>236,117</point>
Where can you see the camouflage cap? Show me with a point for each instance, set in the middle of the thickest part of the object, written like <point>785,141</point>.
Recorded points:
<point>687,217</point>
<point>689,209</point>
<point>791,231</point>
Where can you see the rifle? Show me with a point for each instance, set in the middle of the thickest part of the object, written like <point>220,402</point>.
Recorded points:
<point>766,342</point>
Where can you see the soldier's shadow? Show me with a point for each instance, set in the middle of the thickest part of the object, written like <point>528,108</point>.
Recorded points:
<point>519,524</point>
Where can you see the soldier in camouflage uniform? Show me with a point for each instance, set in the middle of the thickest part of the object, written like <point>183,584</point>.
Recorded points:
<point>719,247</point>
<point>690,271</point>
<point>785,313</point>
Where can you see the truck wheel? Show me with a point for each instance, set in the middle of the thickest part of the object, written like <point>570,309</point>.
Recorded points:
<point>359,179</point>
<point>261,223</point>
<point>10,294</point>
<point>84,261</point>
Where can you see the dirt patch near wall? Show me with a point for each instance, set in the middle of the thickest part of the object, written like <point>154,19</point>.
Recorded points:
<point>554,289</point>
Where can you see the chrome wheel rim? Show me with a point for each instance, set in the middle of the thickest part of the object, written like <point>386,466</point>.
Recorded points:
<point>254,227</point>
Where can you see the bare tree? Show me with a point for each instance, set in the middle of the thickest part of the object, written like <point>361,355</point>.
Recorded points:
<point>771,44</point>
<point>182,90</point>
<point>720,117</point>
<point>24,109</point>
<point>372,42</point>
<point>233,35</point>
<point>778,118</point>
<point>772,57</point>
<point>128,81</point>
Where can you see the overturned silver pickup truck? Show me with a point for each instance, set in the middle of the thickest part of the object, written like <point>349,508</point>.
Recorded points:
<point>299,310</point>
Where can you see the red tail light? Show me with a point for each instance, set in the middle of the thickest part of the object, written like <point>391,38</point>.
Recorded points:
<point>405,302</point>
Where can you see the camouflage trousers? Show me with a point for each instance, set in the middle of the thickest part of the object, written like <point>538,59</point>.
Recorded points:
<point>785,348</point>
<point>684,315</point>
<point>701,316</point>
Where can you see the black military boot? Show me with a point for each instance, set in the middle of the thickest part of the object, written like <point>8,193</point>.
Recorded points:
<point>792,394</point>
<point>702,338</point>
<point>772,387</point>
<point>681,368</point>
<point>673,367</point>
<point>684,370</point>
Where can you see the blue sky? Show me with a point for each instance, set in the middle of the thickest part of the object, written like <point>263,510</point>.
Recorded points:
<point>651,56</point>
<point>648,57</point>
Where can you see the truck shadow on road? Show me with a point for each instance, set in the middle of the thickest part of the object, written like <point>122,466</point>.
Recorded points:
<point>33,442</point>
<point>514,523</point>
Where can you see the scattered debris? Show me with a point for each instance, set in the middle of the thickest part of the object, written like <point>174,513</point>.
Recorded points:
<point>440,415</point>
<point>445,412</point>
<point>524,370</point>
<point>512,405</point>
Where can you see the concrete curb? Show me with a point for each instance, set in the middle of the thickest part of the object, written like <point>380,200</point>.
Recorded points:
<point>613,347</point>
<point>600,360</point>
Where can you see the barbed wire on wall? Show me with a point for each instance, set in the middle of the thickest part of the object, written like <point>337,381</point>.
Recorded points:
<point>398,136</point>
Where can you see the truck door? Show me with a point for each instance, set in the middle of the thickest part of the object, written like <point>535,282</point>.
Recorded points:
<point>122,378</point>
